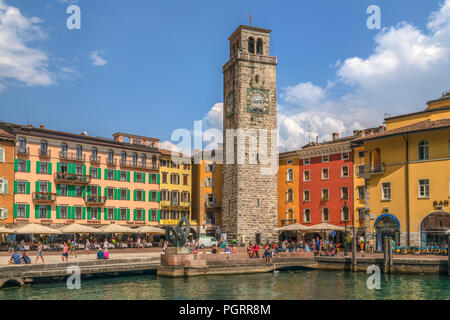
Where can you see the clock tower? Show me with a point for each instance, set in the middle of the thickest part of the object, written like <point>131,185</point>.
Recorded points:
<point>249,201</point>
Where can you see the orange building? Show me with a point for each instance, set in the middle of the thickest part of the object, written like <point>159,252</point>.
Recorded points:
<point>62,178</point>
<point>207,194</point>
<point>288,188</point>
<point>6,177</point>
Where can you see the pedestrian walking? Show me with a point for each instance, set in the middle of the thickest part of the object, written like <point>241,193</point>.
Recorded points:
<point>40,253</point>
<point>65,252</point>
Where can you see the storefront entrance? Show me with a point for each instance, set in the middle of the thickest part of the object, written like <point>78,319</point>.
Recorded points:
<point>433,228</point>
<point>386,225</point>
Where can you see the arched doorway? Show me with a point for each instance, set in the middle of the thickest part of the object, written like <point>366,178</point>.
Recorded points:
<point>386,225</point>
<point>433,228</point>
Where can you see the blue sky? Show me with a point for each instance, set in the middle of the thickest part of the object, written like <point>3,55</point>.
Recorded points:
<point>159,63</point>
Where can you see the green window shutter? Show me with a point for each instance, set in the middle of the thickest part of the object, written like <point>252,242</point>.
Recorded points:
<point>49,187</point>
<point>15,210</point>
<point>128,194</point>
<point>99,173</point>
<point>38,166</point>
<point>134,215</point>
<point>16,164</point>
<point>115,175</point>
<point>128,176</point>
<point>105,214</point>
<point>89,190</point>
<point>36,186</point>
<point>49,168</point>
<point>84,192</point>
<point>115,214</point>
<point>157,178</point>
<point>134,195</point>
<point>143,215</point>
<point>149,215</point>
<point>158,215</point>
<point>105,192</point>
<point>49,212</point>
<point>143,177</point>
<point>143,195</point>
<point>58,189</point>
<point>58,167</point>
<point>36,211</point>
<point>89,213</point>
<point>84,213</point>
<point>84,169</point>
<point>28,165</point>
<point>159,196</point>
<point>57,212</point>
<point>134,175</point>
<point>128,214</point>
<point>106,174</point>
<point>115,195</point>
<point>99,215</point>
<point>27,184</point>
<point>15,187</point>
<point>149,178</point>
<point>99,191</point>
<point>27,211</point>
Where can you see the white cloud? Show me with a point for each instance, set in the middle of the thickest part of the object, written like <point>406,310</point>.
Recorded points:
<point>96,59</point>
<point>167,145</point>
<point>407,67</point>
<point>18,60</point>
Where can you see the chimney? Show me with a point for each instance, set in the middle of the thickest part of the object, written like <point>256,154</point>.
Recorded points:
<point>335,136</point>
<point>41,126</point>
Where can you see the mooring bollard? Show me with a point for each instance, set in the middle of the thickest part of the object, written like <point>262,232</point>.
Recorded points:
<point>386,255</point>
<point>448,253</point>
<point>391,260</point>
<point>354,262</point>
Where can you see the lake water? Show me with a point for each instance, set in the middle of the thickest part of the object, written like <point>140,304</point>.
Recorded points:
<point>298,285</point>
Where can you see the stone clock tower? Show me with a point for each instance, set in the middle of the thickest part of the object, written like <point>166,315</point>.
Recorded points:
<point>249,201</point>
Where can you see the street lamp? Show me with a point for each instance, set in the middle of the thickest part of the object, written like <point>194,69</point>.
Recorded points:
<point>345,224</point>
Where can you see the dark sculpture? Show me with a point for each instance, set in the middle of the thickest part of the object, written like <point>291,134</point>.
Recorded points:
<point>176,236</point>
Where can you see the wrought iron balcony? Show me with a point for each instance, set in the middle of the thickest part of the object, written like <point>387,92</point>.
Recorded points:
<point>111,161</point>
<point>366,171</point>
<point>95,200</point>
<point>72,178</point>
<point>44,152</point>
<point>71,156</point>
<point>95,158</point>
<point>44,197</point>
<point>286,222</point>
<point>23,151</point>
<point>140,165</point>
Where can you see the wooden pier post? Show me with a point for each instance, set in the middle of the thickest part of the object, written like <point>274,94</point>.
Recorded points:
<point>354,260</point>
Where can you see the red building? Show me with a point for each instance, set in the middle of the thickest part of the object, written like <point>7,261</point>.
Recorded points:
<point>326,182</point>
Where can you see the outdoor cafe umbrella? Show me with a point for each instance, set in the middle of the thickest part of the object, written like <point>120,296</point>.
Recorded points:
<point>447,232</point>
<point>325,227</point>
<point>293,227</point>
<point>33,228</point>
<point>150,229</point>
<point>115,228</point>
<point>77,228</point>
<point>6,230</point>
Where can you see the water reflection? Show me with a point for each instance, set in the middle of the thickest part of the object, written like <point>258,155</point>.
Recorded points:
<point>297,285</point>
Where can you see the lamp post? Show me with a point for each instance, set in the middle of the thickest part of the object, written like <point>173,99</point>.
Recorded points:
<point>345,230</point>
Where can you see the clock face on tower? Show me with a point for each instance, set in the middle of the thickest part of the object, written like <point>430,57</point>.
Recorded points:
<point>229,105</point>
<point>258,100</point>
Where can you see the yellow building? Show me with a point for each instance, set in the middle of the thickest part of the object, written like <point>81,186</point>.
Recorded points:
<point>207,195</point>
<point>403,173</point>
<point>176,185</point>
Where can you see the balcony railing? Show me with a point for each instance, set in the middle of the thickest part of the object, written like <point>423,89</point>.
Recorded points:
<point>141,165</point>
<point>72,178</point>
<point>44,152</point>
<point>370,169</point>
<point>23,151</point>
<point>95,200</point>
<point>211,204</point>
<point>44,197</point>
<point>95,158</point>
<point>111,161</point>
<point>286,222</point>
<point>72,156</point>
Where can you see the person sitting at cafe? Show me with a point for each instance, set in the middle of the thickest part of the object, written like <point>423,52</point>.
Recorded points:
<point>106,254</point>
<point>15,258</point>
<point>100,254</point>
<point>227,249</point>
<point>25,259</point>
<point>215,250</point>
